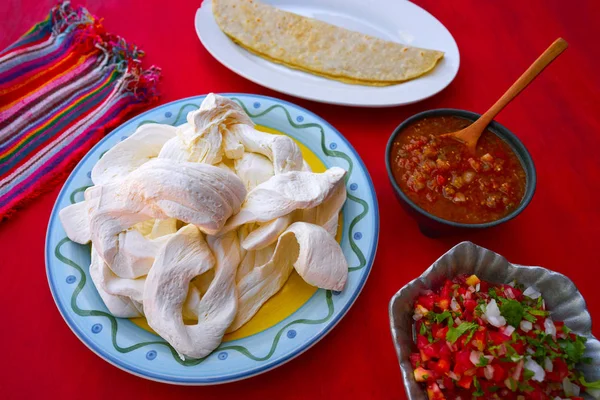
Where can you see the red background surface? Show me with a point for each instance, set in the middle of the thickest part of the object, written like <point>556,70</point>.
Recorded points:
<point>557,118</point>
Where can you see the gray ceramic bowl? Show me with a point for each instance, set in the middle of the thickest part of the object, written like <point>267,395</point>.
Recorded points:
<point>433,226</point>
<point>562,299</point>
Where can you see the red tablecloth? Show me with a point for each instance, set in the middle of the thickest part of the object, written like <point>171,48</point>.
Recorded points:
<point>557,118</point>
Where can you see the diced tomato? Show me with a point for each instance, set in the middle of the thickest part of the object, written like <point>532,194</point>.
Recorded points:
<point>465,382</point>
<point>537,394</point>
<point>434,392</point>
<point>448,383</point>
<point>415,360</point>
<point>432,350</point>
<point>499,373</point>
<point>559,370</point>
<point>422,341</point>
<point>440,180</point>
<point>427,301</point>
<point>424,357</point>
<point>441,333</point>
<point>462,361</point>
<point>498,338</point>
<point>445,351</point>
<point>472,280</point>
<point>443,303</point>
<point>519,347</point>
<point>478,342</point>
<point>422,374</point>
<point>484,286</point>
<point>447,288</point>
<point>470,305</point>
<point>442,366</point>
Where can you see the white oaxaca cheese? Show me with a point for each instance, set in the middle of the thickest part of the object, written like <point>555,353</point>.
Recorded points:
<point>253,169</point>
<point>285,193</point>
<point>185,256</point>
<point>126,156</point>
<point>75,221</point>
<point>136,254</point>
<point>119,306</point>
<point>308,248</point>
<point>199,194</point>
<point>283,152</point>
<point>266,233</point>
<point>320,261</point>
<point>204,139</point>
<point>327,213</point>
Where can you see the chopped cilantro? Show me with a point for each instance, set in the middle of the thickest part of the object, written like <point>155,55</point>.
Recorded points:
<point>454,333</point>
<point>540,313</point>
<point>482,362</point>
<point>439,318</point>
<point>574,350</point>
<point>493,389</point>
<point>470,336</point>
<point>527,374</point>
<point>524,387</point>
<point>425,377</point>
<point>566,330</point>
<point>513,311</point>
<point>493,294</point>
<point>423,330</point>
<point>529,317</point>
<point>513,384</point>
<point>478,392</point>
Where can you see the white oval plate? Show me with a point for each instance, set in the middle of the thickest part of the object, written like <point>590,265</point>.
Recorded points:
<point>399,21</point>
<point>133,349</point>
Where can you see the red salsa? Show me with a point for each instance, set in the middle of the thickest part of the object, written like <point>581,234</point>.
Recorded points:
<point>442,177</point>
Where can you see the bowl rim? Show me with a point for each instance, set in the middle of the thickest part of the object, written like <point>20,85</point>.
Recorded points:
<point>499,130</point>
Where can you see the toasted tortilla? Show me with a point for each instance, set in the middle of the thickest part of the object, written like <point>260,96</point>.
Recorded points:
<point>320,48</point>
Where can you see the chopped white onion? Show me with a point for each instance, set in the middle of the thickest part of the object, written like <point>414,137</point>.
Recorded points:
<point>453,376</point>
<point>531,293</point>
<point>518,369</point>
<point>478,287</point>
<point>471,289</point>
<point>502,350</point>
<point>492,314</point>
<point>468,295</point>
<point>526,326</point>
<point>441,384</point>
<point>454,305</point>
<point>530,350</point>
<point>475,357</point>
<point>549,327</point>
<point>489,358</point>
<point>509,293</point>
<point>548,366</point>
<point>488,372</point>
<point>508,330</point>
<point>571,390</point>
<point>457,321</point>
<point>538,372</point>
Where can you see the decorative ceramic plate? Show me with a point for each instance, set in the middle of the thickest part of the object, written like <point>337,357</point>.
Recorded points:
<point>398,21</point>
<point>287,325</point>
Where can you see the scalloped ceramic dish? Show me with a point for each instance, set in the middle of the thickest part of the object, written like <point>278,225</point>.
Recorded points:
<point>562,299</point>
<point>127,345</point>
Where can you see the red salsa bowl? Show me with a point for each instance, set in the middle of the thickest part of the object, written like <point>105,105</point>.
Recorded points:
<point>446,188</point>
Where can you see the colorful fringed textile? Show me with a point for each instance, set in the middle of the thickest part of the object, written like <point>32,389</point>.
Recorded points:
<point>63,85</point>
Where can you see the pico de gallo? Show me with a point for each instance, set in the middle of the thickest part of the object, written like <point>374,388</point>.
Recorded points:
<point>476,339</point>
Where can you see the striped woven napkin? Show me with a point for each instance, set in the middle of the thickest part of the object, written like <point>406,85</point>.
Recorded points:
<point>63,85</point>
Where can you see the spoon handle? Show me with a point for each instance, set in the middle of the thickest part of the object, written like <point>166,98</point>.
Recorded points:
<point>524,80</point>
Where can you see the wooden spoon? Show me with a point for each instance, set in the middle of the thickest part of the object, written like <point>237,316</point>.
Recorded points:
<point>470,135</point>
